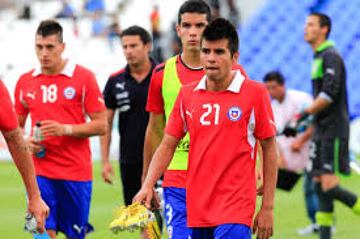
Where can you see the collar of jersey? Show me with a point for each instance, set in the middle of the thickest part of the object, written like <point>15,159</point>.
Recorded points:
<point>324,45</point>
<point>234,87</point>
<point>68,70</point>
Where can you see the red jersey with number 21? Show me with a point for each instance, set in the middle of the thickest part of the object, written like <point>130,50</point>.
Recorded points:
<point>66,98</point>
<point>223,128</point>
<point>155,104</point>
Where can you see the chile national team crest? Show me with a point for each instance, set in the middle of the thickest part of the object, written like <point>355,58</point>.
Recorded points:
<point>69,93</point>
<point>234,113</point>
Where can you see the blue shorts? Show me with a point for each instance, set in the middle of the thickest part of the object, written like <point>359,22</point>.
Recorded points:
<point>175,213</point>
<point>225,231</point>
<point>69,203</point>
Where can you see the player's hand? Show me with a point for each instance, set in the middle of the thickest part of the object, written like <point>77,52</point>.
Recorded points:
<point>148,197</point>
<point>52,128</point>
<point>34,146</point>
<point>40,211</point>
<point>107,173</point>
<point>296,145</point>
<point>264,224</point>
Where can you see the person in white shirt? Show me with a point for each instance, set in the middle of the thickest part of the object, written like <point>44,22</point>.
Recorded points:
<point>294,151</point>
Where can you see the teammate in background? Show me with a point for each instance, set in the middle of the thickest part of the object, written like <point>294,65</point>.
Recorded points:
<point>127,91</point>
<point>156,34</point>
<point>167,78</point>
<point>60,94</point>
<point>225,104</point>
<point>294,151</point>
<point>331,123</point>
<point>20,153</point>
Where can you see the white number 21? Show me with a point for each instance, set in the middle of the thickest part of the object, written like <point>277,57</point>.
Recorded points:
<point>209,109</point>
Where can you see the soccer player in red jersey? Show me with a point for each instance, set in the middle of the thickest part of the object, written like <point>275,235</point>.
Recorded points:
<point>60,94</point>
<point>225,113</point>
<point>167,78</point>
<point>21,155</point>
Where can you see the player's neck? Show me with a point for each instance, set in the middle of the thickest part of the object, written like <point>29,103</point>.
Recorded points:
<point>191,59</point>
<point>140,71</point>
<point>282,97</point>
<point>55,70</point>
<point>317,43</point>
<point>220,85</point>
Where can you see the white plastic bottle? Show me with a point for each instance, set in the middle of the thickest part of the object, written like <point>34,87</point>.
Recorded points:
<point>38,137</point>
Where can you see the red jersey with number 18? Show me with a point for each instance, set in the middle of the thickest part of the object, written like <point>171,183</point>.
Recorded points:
<point>8,120</point>
<point>65,98</point>
<point>223,128</point>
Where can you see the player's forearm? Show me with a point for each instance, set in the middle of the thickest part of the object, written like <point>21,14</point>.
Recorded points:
<point>22,159</point>
<point>318,105</point>
<point>148,153</point>
<point>161,160</point>
<point>96,126</point>
<point>22,120</point>
<point>158,165</point>
<point>92,128</point>
<point>105,141</point>
<point>269,171</point>
<point>153,136</point>
<point>306,136</point>
<point>151,143</point>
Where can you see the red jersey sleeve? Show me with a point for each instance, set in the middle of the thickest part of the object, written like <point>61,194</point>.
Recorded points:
<point>8,119</point>
<point>93,101</point>
<point>176,126</point>
<point>155,101</point>
<point>264,118</point>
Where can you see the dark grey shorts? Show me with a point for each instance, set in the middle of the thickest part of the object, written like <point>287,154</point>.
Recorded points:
<point>329,155</point>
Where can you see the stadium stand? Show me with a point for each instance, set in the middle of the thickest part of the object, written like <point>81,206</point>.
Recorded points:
<point>273,40</point>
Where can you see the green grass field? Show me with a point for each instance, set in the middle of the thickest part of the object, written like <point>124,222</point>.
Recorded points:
<point>289,208</point>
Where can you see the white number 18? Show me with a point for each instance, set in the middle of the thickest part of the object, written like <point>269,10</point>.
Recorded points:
<point>49,93</point>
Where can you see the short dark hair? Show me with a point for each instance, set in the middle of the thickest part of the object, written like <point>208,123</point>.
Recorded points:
<point>219,29</point>
<point>50,27</point>
<point>137,31</point>
<point>195,6</point>
<point>275,76</point>
<point>324,21</point>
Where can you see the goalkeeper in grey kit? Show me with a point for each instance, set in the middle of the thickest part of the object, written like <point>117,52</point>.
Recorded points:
<point>331,123</point>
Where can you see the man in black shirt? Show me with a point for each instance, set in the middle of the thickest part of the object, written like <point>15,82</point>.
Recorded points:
<point>329,149</point>
<point>127,91</point>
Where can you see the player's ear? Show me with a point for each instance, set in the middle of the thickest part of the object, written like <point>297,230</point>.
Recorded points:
<point>148,46</point>
<point>178,30</point>
<point>235,57</point>
<point>324,30</point>
<point>63,45</point>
